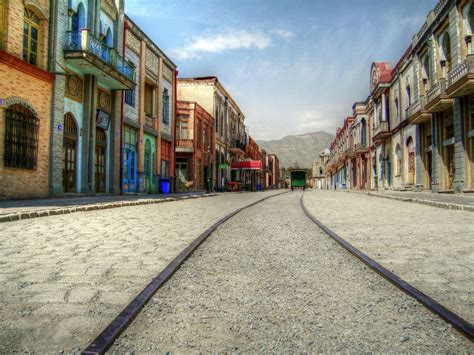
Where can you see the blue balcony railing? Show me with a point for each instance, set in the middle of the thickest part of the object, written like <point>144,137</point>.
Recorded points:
<point>84,41</point>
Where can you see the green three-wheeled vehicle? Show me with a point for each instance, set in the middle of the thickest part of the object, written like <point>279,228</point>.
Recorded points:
<point>298,179</point>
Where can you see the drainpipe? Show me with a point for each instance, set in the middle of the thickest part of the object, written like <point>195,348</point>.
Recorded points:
<point>173,128</point>
<point>52,68</point>
<point>125,27</point>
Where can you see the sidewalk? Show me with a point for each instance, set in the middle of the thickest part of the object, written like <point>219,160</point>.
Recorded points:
<point>449,201</point>
<point>11,210</point>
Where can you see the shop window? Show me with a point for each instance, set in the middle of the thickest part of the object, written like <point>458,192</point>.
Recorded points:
<point>21,137</point>
<point>166,107</point>
<point>130,97</point>
<point>31,37</point>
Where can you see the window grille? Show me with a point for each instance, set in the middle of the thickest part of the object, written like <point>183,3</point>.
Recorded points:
<point>130,97</point>
<point>21,137</point>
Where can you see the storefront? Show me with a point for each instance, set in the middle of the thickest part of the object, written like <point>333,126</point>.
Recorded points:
<point>129,172</point>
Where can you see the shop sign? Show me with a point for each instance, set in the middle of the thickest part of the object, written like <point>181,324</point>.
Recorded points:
<point>103,119</point>
<point>223,166</point>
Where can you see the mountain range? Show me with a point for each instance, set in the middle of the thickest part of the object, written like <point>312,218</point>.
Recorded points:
<point>298,150</point>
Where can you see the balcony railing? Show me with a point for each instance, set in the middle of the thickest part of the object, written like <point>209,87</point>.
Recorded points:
<point>434,92</point>
<point>84,41</point>
<point>236,144</point>
<point>185,143</point>
<point>361,147</point>
<point>382,128</point>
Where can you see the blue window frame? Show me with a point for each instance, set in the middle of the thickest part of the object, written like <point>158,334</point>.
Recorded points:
<point>130,97</point>
<point>166,107</point>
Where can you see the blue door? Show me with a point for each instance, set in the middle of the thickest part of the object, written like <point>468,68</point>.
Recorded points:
<point>129,170</point>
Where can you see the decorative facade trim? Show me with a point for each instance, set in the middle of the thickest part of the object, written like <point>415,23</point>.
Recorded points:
<point>25,67</point>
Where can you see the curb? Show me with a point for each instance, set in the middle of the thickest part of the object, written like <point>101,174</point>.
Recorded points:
<point>86,208</point>
<point>445,205</point>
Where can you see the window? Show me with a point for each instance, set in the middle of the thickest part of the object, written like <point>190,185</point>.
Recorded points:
<point>182,127</point>
<point>79,19</point>
<point>31,36</point>
<point>21,137</point>
<point>1,24</point>
<point>130,97</point>
<point>206,136</point>
<point>149,100</point>
<point>399,160</point>
<point>199,134</point>
<point>164,168</point>
<point>449,131</point>
<point>166,107</point>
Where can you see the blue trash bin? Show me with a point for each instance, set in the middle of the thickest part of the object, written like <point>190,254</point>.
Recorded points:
<point>259,187</point>
<point>165,186</point>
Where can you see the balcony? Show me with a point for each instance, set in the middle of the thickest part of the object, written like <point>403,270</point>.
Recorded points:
<point>184,146</point>
<point>381,132</point>
<point>461,78</point>
<point>437,99</point>
<point>361,148</point>
<point>350,153</point>
<point>237,147</point>
<point>418,112</point>
<point>88,55</point>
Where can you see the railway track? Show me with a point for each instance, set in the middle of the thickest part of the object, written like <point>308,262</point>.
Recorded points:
<point>107,337</point>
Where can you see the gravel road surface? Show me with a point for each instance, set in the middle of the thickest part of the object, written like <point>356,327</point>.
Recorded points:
<point>270,280</point>
<point>64,278</point>
<point>432,248</point>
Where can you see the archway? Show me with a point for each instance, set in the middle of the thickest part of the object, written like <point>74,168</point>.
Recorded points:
<point>410,161</point>
<point>100,159</point>
<point>70,139</point>
<point>79,19</point>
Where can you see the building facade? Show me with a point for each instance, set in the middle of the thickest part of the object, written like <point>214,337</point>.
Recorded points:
<point>230,137</point>
<point>148,115</point>
<point>91,74</point>
<point>319,171</point>
<point>194,147</point>
<point>418,118</point>
<point>26,89</point>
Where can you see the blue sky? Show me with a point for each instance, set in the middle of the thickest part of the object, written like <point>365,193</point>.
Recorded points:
<point>293,66</point>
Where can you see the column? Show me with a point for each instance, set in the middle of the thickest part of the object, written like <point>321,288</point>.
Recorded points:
<point>88,135</point>
<point>459,144</point>
<point>435,154</point>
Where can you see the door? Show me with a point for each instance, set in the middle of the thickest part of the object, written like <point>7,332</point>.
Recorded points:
<point>129,170</point>
<point>147,166</point>
<point>429,169</point>
<point>100,159</point>
<point>69,153</point>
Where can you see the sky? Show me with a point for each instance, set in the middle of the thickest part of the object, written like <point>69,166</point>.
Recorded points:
<point>292,66</point>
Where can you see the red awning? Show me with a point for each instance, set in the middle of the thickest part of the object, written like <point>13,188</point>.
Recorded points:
<point>249,165</point>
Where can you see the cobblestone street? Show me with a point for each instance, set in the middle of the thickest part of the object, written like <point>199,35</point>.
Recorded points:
<point>66,277</point>
<point>266,280</point>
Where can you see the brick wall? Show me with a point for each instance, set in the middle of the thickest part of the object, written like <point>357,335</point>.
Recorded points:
<point>36,92</point>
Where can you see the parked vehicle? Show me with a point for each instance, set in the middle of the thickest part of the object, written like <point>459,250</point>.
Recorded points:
<point>298,179</point>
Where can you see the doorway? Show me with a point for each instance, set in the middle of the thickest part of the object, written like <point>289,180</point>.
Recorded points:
<point>69,153</point>
<point>100,159</point>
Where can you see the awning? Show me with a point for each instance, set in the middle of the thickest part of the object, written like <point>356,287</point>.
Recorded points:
<point>247,165</point>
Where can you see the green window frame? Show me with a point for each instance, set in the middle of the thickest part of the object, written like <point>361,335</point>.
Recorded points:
<point>31,37</point>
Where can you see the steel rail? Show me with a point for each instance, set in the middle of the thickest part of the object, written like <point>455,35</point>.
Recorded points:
<point>463,326</point>
<point>108,336</point>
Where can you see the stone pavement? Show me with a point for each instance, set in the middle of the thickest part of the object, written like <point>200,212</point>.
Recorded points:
<point>37,204</point>
<point>431,248</point>
<point>449,201</point>
<point>65,277</point>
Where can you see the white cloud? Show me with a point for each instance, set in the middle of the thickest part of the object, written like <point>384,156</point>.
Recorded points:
<point>282,33</point>
<point>227,41</point>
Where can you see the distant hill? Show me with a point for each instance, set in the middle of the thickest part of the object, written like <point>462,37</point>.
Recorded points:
<point>302,149</point>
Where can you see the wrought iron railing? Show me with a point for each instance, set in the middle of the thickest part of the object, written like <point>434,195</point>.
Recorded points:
<point>84,41</point>
<point>461,70</point>
<point>434,92</point>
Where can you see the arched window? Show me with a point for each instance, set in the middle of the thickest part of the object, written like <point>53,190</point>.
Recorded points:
<point>79,19</point>
<point>363,132</point>
<point>21,137</point>
<point>69,153</point>
<point>408,91</point>
<point>426,70</point>
<point>398,152</point>
<point>31,37</point>
<point>166,107</point>
<point>109,38</point>
<point>446,50</point>
<point>396,109</point>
